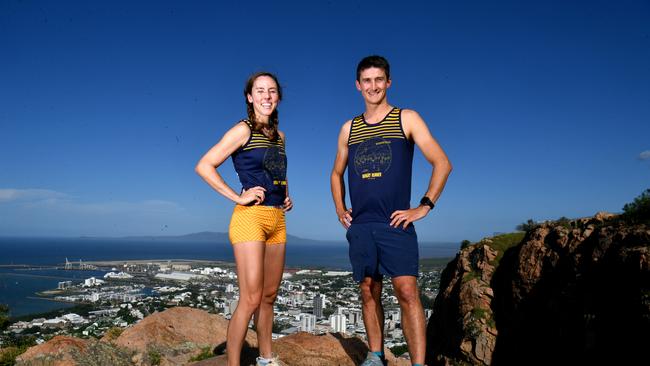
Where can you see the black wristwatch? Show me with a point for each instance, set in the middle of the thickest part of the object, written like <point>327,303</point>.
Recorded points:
<point>425,201</point>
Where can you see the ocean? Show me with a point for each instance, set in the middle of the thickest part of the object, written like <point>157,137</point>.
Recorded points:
<point>18,286</point>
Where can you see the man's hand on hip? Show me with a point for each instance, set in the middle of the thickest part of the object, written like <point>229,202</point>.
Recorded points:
<point>345,218</point>
<point>405,217</point>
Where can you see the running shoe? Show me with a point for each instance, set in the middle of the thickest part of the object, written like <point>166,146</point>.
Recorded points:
<point>273,361</point>
<point>372,360</point>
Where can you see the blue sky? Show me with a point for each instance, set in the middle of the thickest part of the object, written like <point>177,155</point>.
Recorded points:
<point>105,107</point>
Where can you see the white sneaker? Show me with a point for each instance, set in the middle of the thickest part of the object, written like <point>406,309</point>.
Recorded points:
<point>273,361</point>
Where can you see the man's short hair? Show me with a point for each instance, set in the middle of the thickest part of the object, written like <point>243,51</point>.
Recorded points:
<point>373,61</point>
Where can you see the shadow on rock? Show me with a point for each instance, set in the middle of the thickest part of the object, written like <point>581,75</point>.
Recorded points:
<point>355,348</point>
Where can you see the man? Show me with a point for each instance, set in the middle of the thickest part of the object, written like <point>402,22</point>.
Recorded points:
<point>377,149</point>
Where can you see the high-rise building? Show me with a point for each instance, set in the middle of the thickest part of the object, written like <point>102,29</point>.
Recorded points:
<point>319,301</point>
<point>355,317</point>
<point>338,323</point>
<point>307,322</point>
<point>395,315</point>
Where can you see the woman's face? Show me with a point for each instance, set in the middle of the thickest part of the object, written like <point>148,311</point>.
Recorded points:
<point>264,97</point>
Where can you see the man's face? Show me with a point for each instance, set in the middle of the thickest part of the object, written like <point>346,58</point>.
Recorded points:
<point>372,84</point>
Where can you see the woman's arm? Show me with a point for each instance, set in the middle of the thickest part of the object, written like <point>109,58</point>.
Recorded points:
<point>235,138</point>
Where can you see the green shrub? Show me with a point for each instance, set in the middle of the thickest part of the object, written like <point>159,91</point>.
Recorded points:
<point>155,357</point>
<point>113,333</point>
<point>8,355</point>
<point>639,210</point>
<point>399,350</point>
<point>471,275</point>
<point>527,226</point>
<point>503,242</point>
<point>206,352</point>
<point>465,243</point>
<point>564,222</point>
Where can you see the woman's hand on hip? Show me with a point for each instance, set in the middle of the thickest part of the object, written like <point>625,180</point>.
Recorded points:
<point>288,204</point>
<point>254,194</point>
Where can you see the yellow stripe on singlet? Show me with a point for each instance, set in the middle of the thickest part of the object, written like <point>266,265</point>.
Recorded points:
<point>259,140</point>
<point>389,128</point>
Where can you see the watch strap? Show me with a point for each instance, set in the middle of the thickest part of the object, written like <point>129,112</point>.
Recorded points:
<point>426,201</point>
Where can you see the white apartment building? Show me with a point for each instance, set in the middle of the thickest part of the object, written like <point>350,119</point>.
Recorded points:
<point>338,323</point>
<point>307,322</point>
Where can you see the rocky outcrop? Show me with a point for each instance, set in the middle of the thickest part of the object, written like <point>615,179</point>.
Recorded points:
<point>463,325</point>
<point>572,292</point>
<point>57,352</point>
<point>174,336</point>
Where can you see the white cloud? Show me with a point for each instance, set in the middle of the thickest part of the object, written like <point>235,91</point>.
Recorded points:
<point>645,155</point>
<point>46,198</point>
<point>11,194</point>
<point>45,212</point>
<point>118,207</point>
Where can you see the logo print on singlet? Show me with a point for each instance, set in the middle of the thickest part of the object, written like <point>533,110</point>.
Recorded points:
<point>275,165</point>
<point>373,158</point>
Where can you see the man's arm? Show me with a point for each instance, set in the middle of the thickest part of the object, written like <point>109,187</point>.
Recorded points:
<point>416,129</point>
<point>336,179</point>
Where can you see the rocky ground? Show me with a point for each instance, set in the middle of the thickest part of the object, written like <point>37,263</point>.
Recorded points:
<point>178,335</point>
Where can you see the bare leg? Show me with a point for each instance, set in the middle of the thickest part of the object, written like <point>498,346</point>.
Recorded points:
<point>406,290</point>
<point>273,268</point>
<point>373,313</point>
<point>249,257</point>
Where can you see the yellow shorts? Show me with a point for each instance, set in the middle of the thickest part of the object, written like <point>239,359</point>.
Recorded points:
<point>257,223</point>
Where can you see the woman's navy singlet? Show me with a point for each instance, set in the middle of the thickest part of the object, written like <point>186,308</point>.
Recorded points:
<point>262,162</point>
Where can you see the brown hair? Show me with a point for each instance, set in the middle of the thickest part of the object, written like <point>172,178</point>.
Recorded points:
<point>373,61</point>
<point>269,130</point>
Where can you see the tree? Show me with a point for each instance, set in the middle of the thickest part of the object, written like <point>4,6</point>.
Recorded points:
<point>4,316</point>
<point>328,311</point>
<point>639,210</point>
<point>564,221</point>
<point>465,243</point>
<point>527,226</point>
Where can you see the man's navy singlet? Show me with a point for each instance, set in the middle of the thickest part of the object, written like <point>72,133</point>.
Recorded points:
<point>380,159</point>
<point>262,162</point>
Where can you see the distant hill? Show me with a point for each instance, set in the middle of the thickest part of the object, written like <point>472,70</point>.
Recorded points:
<point>438,249</point>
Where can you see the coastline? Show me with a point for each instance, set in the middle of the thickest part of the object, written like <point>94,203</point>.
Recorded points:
<point>46,292</point>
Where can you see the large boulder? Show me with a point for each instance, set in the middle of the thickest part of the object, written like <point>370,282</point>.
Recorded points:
<point>58,351</point>
<point>176,335</point>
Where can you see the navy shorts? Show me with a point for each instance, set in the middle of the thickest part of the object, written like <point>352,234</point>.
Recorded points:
<point>378,249</point>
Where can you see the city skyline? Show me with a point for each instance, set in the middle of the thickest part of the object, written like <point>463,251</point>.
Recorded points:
<point>542,108</point>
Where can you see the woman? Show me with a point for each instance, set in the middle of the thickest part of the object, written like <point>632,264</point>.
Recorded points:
<point>257,228</point>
